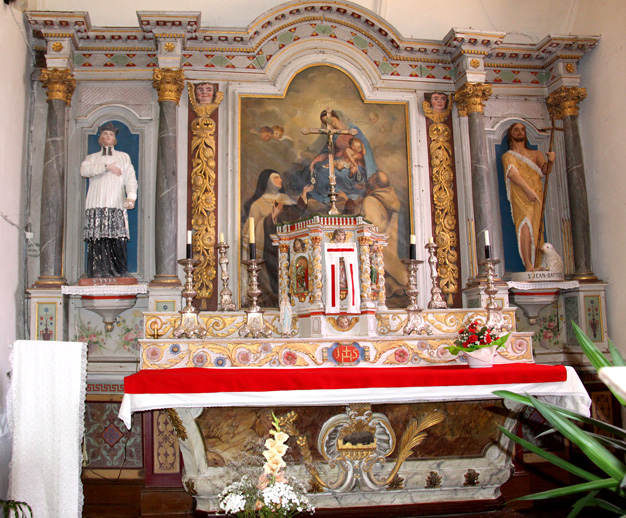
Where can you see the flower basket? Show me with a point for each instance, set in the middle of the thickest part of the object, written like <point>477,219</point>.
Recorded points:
<point>479,344</point>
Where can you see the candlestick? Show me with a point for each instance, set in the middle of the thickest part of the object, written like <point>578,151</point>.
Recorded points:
<point>415,320</point>
<point>436,295</point>
<point>255,325</point>
<point>190,325</point>
<point>412,248</point>
<point>226,301</point>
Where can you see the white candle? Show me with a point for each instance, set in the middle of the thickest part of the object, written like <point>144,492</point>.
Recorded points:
<point>487,243</point>
<point>251,238</point>
<point>189,236</point>
<point>430,240</point>
<point>221,237</point>
<point>412,239</point>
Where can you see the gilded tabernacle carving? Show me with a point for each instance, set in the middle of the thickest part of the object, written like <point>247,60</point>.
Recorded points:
<point>203,176</point>
<point>358,440</point>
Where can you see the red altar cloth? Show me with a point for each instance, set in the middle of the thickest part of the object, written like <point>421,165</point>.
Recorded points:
<point>194,381</point>
<point>266,387</point>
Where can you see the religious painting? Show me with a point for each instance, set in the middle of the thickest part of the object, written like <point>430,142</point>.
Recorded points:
<point>301,275</point>
<point>284,173</point>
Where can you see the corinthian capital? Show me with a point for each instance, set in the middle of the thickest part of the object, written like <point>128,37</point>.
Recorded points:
<point>564,101</point>
<point>60,83</point>
<point>471,98</point>
<point>169,82</point>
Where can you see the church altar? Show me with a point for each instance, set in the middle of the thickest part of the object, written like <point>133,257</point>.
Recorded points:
<point>373,397</point>
<point>218,412</point>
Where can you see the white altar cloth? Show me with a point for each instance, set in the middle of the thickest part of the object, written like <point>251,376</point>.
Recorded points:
<point>46,403</point>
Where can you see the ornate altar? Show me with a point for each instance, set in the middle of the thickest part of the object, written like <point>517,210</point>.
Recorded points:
<point>338,302</point>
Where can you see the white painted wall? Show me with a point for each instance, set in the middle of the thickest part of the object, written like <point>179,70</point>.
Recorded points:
<point>14,88</point>
<point>602,123</point>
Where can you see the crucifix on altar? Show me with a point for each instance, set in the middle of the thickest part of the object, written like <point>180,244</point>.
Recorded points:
<point>330,131</point>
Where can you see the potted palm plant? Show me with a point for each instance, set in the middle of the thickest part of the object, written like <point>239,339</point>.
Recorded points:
<point>605,451</point>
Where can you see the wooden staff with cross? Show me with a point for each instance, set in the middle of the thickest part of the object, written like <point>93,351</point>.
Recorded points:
<point>330,131</point>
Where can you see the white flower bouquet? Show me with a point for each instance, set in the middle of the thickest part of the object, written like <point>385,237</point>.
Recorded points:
<point>272,495</point>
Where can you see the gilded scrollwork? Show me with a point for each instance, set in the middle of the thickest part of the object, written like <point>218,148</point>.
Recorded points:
<point>444,205</point>
<point>203,197</point>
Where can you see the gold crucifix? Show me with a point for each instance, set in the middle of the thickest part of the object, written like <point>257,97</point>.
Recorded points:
<point>330,131</point>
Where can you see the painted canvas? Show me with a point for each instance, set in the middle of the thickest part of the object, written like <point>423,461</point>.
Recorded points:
<point>284,173</point>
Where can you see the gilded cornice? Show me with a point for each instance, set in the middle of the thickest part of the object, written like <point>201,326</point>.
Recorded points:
<point>59,82</point>
<point>564,101</point>
<point>471,98</point>
<point>169,83</point>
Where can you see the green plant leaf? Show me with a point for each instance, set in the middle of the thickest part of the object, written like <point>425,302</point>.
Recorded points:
<point>596,358</point>
<point>618,359</point>
<point>615,430</point>
<point>607,483</point>
<point>550,457</point>
<point>608,506</point>
<point>582,503</point>
<point>609,442</point>
<point>597,453</point>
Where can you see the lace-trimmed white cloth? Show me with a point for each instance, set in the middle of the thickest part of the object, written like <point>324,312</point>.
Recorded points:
<point>105,289</point>
<point>46,404</point>
<point>563,285</point>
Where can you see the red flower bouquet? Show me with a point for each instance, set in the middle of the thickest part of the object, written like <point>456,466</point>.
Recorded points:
<point>476,336</point>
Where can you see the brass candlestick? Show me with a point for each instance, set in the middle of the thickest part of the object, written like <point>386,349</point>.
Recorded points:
<point>255,325</point>
<point>495,318</point>
<point>415,321</point>
<point>226,296</point>
<point>437,300</point>
<point>190,326</point>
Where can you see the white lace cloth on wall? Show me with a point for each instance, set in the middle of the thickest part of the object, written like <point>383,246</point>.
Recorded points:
<point>46,404</point>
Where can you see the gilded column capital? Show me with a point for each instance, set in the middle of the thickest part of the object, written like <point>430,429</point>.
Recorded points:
<point>471,98</point>
<point>169,82</point>
<point>60,83</point>
<point>564,101</point>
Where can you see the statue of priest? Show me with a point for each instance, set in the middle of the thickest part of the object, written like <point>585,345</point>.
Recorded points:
<point>112,191</point>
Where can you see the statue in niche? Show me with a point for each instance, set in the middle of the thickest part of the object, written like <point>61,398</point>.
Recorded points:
<point>112,191</point>
<point>524,170</point>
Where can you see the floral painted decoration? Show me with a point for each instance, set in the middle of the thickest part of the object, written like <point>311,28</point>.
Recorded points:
<point>272,495</point>
<point>476,336</point>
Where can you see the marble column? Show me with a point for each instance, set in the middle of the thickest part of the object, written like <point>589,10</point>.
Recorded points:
<point>470,99</point>
<point>169,83</point>
<point>60,84</point>
<point>563,104</point>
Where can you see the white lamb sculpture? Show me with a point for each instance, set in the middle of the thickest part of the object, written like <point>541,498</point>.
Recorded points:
<point>550,260</point>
